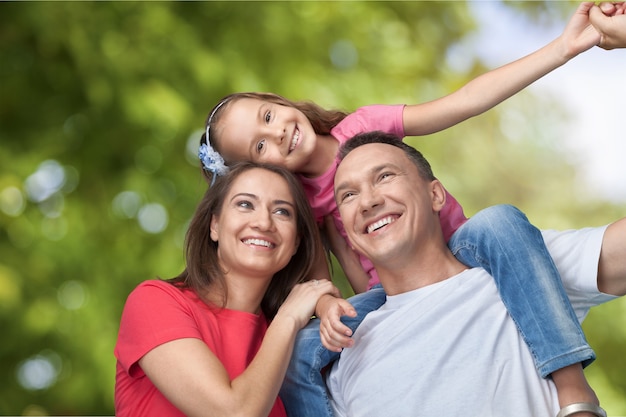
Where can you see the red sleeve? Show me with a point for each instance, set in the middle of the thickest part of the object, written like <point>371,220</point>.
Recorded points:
<point>156,312</point>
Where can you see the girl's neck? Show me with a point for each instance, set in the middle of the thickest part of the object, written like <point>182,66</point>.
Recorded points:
<point>323,156</point>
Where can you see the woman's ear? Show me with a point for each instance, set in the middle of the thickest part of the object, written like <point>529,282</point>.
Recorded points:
<point>214,228</point>
<point>438,194</point>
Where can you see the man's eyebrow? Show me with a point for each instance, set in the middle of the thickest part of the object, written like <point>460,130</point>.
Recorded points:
<point>372,171</point>
<point>340,187</point>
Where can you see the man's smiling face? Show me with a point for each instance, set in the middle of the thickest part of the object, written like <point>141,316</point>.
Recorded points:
<point>385,205</point>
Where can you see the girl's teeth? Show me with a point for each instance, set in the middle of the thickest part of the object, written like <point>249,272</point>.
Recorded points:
<point>294,140</point>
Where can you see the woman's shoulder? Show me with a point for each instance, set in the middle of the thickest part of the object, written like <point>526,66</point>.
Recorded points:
<point>160,289</point>
<point>155,285</point>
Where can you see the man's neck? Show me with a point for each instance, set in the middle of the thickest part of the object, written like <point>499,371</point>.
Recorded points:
<point>419,272</point>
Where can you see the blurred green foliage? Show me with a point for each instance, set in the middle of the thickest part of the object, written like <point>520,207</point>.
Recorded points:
<point>100,110</point>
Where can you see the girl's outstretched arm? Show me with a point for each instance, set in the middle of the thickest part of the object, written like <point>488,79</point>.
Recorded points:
<point>490,89</point>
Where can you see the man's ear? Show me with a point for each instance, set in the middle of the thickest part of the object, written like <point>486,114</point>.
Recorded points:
<point>214,228</point>
<point>438,194</point>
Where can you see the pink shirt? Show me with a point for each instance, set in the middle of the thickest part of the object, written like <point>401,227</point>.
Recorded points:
<point>157,312</point>
<point>320,190</point>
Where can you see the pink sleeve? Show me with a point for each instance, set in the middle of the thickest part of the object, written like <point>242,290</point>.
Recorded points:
<point>369,118</point>
<point>155,313</point>
<point>451,216</point>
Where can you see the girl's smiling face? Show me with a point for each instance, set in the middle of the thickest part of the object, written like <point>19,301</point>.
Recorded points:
<point>255,130</point>
<point>256,230</point>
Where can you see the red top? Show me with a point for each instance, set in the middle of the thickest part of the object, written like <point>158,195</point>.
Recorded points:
<point>157,312</point>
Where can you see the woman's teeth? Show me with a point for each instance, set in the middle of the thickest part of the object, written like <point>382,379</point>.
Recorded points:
<point>258,242</point>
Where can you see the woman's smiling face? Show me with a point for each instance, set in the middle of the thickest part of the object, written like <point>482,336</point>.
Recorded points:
<point>256,230</point>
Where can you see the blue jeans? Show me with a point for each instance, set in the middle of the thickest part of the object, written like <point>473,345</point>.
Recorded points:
<point>501,240</point>
<point>304,391</point>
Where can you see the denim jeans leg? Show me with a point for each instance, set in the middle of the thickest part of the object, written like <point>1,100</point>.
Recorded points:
<point>502,241</point>
<point>304,391</point>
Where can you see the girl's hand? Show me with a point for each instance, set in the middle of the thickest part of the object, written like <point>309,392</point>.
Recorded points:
<point>579,35</point>
<point>301,301</point>
<point>334,334</point>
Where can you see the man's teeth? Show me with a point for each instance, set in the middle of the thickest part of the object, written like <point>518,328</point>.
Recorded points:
<point>258,242</point>
<point>294,140</point>
<point>380,223</point>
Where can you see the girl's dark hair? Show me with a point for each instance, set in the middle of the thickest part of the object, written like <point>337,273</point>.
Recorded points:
<point>321,119</point>
<point>202,265</point>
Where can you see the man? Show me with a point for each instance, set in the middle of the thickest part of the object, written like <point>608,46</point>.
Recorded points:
<point>443,343</point>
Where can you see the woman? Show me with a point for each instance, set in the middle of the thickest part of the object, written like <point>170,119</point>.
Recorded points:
<point>217,339</point>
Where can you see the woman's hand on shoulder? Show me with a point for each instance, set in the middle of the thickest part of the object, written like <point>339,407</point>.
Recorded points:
<point>301,301</point>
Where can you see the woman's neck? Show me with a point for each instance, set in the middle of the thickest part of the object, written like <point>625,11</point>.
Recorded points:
<point>243,294</point>
<point>323,156</point>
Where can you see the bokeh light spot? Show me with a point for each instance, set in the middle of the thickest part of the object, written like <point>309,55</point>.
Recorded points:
<point>72,295</point>
<point>126,204</point>
<point>153,218</point>
<point>39,372</point>
<point>12,201</point>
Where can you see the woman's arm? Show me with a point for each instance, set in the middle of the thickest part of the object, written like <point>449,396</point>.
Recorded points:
<point>193,379</point>
<point>490,89</point>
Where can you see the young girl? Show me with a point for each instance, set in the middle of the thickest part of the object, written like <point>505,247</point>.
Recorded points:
<point>305,138</point>
<point>216,337</point>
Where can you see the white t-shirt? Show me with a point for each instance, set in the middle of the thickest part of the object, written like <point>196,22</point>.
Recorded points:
<point>451,349</point>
